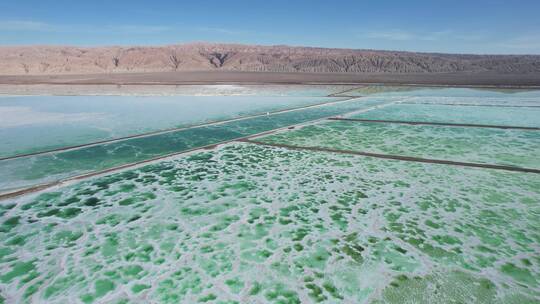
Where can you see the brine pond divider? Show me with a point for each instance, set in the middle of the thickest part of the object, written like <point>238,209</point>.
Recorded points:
<point>394,157</point>
<point>60,182</point>
<point>343,93</point>
<point>170,130</point>
<point>471,105</point>
<point>434,123</point>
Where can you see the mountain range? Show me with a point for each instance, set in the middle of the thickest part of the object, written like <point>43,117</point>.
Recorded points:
<point>61,60</point>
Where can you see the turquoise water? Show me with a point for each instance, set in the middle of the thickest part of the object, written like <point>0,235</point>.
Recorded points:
<point>478,145</point>
<point>524,117</point>
<point>446,92</point>
<point>248,223</point>
<point>37,123</point>
<point>38,169</point>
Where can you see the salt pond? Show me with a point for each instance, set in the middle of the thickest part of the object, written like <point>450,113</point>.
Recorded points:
<point>249,223</point>
<point>37,123</point>
<point>28,171</point>
<point>520,148</point>
<point>508,116</point>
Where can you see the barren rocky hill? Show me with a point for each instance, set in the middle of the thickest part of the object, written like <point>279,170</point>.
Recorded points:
<point>41,60</point>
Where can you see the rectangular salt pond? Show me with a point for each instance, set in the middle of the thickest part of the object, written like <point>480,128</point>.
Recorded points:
<point>38,123</point>
<point>478,145</point>
<point>505,116</point>
<point>248,223</point>
<point>256,224</point>
<point>437,94</point>
<point>33,170</point>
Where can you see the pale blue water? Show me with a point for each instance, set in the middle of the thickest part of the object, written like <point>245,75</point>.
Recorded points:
<point>245,223</point>
<point>37,123</point>
<point>42,168</point>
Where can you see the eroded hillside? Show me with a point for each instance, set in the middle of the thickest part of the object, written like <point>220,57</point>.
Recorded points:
<point>35,60</point>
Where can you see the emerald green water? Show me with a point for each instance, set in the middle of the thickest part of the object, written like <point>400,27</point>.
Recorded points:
<point>39,123</point>
<point>247,224</point>
<point>521,117</point>
<point>50,167</point>
<point>481,145</point>
<point>450,94</point>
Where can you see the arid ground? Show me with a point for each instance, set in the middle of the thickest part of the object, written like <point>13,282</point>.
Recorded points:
<point>203,63</point>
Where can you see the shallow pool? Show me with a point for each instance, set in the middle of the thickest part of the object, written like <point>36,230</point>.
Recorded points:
<point>247,222</point>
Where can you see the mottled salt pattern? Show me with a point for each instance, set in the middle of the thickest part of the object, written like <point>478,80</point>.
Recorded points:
<point>511,116</point>
<point>481,145</point>
<point>252,224</point>
<point>51,167</point>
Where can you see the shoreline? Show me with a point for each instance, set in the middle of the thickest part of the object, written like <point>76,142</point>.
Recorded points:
<point>473,80</point>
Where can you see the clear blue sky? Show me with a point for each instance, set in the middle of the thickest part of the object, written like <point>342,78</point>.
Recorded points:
<point>472,26</point>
